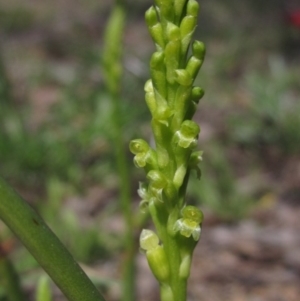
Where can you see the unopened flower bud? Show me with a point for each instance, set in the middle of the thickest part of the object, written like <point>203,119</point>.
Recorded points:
<point>178,7</point>
<point>192,8</point>
<point>151,16</point>
<point>151,102</point>
<point>156,255</point>
<point>148,240</point>
<point>155,27</point>
<point>198,48</point>
<point>173,32</point>
<point>197,94</point>
<point>158,263</point>
<point>187,28</point>
<point>158,73</point>
<point>183,77</point>
<point>172,53</point>
<point>193,66</point>
<point>166,8</point>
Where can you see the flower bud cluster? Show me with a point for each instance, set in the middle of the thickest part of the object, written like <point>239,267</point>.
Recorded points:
<point>172,99</point>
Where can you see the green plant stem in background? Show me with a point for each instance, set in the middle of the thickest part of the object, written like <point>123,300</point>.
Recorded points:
<point>43,290</point>
<point>5,91</point>
<point>172,100</point>
<point>112,70</point>
<point>10,279</point>
<point>42,243</point>
<point>128,281</point>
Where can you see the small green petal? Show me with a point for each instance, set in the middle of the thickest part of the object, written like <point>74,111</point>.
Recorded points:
<point>140,160</point>
<point>192,213</point>
<point>185,267</point>
<point>188,228</point>
<point>148,240</point>
<point>188,134</point>
<point>143,190</point>
<point>144,204</point>
<point>137,146</point>
<point>148,86</point>
<point>157,179</point>
<point>196,233</point>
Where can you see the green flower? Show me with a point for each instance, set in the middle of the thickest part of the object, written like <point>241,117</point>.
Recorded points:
<point>187,136</point>
<point>189,224</point>
<point>144,155</point>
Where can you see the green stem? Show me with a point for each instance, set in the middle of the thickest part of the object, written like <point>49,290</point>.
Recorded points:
<point>10,280</point>
<point>177,284</point>
<point>128,274</point>
<point>5,87</point>
<point>171,245</point>
<point>45,247</point>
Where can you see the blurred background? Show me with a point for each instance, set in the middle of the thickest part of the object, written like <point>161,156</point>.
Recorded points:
<point>56,145</point>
